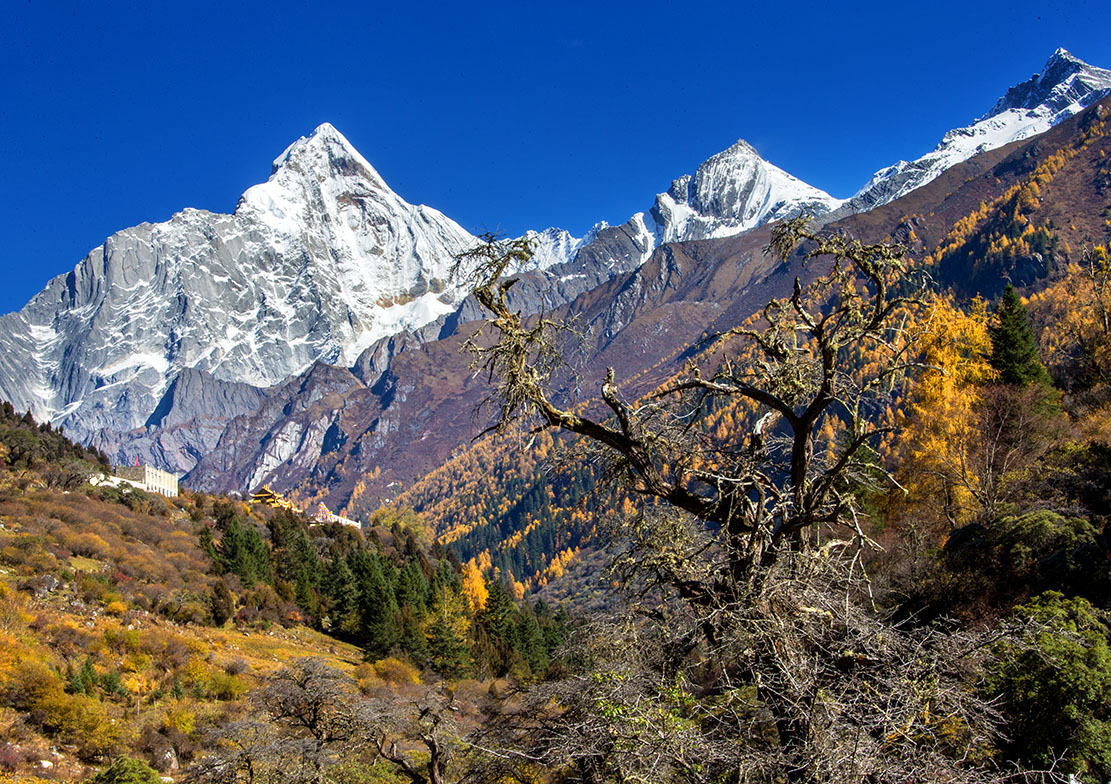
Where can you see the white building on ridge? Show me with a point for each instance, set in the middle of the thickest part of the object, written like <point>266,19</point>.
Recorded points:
<point>149,478</point>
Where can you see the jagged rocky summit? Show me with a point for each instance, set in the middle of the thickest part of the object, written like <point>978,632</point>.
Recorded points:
<point>315,264</point>
<point>320,263</point>
<point>732,192</point>
<point>1065,87</point>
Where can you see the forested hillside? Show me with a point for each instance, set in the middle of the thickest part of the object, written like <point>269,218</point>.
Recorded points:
<point>991,427</point>
<point>845,519</point>
<point>139,625</point>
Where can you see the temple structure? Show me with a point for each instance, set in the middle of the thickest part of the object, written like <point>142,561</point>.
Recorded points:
<point>267,497</point>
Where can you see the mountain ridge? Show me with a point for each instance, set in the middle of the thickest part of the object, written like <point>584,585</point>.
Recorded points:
<point>324,263</point>
<point>1065,86</point>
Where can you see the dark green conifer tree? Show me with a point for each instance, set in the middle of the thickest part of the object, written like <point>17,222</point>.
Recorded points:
<point>343,596</point>
<point>1014,352</point>
<point>381,623</point>
<point>412,639</point>
<point>209,547</point>
<point>496,636</point>
<point>445,576</point>
<point>223,603</point>
<point>533,650</point>
<point>412,588</point>
<point>84,681</point>
<point>258,554</point>
<point>231,552</point>
<point>449,653</point>
<point>303,566</point>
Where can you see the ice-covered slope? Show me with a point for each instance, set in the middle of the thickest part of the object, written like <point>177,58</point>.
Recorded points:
<point>315,264</point>
<point>729,193</point>
<point>732,192</point>
<point>1065,86</point>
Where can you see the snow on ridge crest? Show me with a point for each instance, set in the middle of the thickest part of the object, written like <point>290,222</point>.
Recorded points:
<point>315,264</point>
<point>1062,82</point>
<point>1065,87</point>
<point>731,192</point>
<point>325,137</point>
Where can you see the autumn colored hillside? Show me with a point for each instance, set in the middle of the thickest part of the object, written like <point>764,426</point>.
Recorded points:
<point>1036,213</point>
<point>139,625</point>
<point>839,512</point>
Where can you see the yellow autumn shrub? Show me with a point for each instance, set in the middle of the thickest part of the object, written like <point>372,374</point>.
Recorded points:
<point>395,671</point>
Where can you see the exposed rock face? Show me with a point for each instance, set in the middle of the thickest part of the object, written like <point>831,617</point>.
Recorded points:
<point>315,264</point>
<point>610,251</point>
<point>173,340</point>
<point>732,192</point>
<point>1065,87</point>
<point>282,440</point>
<point>187,423</point>
<point>322,262</point>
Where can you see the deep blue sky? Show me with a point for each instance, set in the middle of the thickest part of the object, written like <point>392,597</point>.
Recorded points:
<point>502,115</point>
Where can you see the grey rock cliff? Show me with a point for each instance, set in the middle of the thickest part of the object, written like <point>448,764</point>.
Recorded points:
<point>317,263</point>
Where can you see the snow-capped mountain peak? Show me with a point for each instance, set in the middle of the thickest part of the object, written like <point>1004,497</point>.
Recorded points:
<point>731,192</point>
<point>1065,83</point>
<point>1066,86</point>
<point>325,152</point>
<point>321,165</point>
<point>316,263</point>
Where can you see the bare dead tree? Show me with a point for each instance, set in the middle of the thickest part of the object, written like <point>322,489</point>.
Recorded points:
<point>311,722</point>
<point>244,752</point>
<point>754,653</point>
<point>419,737</point>
<point>850,698</point>
<point>799,366</point>
<point>306,720</point>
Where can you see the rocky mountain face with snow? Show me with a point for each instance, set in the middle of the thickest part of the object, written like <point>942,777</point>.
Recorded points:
<point>1065,86</point>
<point>733,192</point>
<point>315,264</point>
<point>355,438</point>
<point>729,193</point>
<point>320,263</point>
<point>210,335</point>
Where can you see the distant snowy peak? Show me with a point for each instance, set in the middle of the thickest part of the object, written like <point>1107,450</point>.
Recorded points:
<point>326,152</point>
<point>1065,87</point>
<point>732,192</point>
<point>317,263</point>
<point>729,193</point>
<point>553,247</point>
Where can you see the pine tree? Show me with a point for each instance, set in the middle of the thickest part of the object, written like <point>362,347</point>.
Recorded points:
<point>412,639</point>
<point>445,576</point>
<point>497,636</point>
<point>381,622</point>
<point>303,564</point>
<point>450,655</point>
<point>1014,353</point>
<point>532,646</point>
<point>412,588</point>
<point>209,547</point>
<point>343,596</point>
<point>223,603</point>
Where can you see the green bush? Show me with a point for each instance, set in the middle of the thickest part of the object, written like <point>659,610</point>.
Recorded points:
<point>1055,685</point>
<point>225,686</point>
<point>82,721</point>
<point>125,770</point>
<point>1014,556</point>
